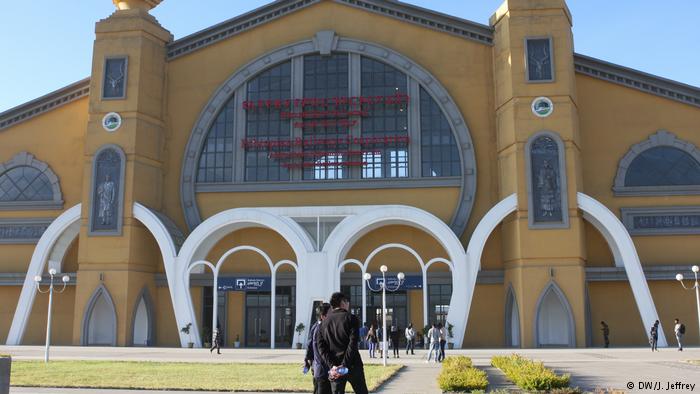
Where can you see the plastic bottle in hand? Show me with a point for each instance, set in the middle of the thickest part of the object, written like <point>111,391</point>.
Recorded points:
<point>342,371</point>
<point>305,370</point>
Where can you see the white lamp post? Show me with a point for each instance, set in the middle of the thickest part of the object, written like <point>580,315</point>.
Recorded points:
<point>383,288</point>
<point>679,277</point>
<point>37,279</point>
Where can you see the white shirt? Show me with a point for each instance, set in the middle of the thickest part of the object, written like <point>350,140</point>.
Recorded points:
<point>677,329</point>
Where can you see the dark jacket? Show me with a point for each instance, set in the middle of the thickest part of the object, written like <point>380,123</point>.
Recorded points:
<point>319,368</point>
<point>338,338</point>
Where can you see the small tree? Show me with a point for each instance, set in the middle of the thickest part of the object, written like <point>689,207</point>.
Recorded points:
<point>299,329</point>
<point>450,326</point>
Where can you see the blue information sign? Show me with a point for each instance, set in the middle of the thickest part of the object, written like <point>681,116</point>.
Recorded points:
<point>410,282</point>
<point>244,284</point>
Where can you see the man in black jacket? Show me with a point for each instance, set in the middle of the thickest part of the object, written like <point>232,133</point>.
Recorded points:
<point>313,358</point>
<point>338,346</point>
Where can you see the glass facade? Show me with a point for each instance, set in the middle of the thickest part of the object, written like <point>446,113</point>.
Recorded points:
<point>216,160</point>
<point>439,303</point>
<point>330,128</point>
<point>265,122</point>
<point>439,154</point>
<point>325,77</point>
<point>379,79</point>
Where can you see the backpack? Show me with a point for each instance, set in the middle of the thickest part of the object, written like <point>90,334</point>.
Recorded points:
<point>682,329</point>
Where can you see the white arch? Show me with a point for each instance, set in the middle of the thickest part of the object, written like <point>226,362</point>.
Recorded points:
<point>353,228</point>
<point>62,231</point>
<point>462,296</point>
<point>553,288</point>
<point>624,251</point>
<point>212,230</point>
<point>100,293</point>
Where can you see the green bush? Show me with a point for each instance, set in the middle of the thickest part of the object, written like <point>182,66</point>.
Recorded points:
<point>528,374</point>
<point>458,374</point>
<point>457,362</point>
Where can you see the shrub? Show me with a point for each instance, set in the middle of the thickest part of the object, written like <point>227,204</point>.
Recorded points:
<point>458,374</point>
<point>528,374</point>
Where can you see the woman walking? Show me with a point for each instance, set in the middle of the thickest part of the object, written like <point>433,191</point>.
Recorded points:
<point>216,343</point>
<point>443,341</point>
<point>395,340</point>
<point>372,340</point>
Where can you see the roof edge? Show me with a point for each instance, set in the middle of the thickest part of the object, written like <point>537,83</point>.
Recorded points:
<point>279,8</point>
<point>638,80</point>
<point>45,103</point>
<point>427,18</point>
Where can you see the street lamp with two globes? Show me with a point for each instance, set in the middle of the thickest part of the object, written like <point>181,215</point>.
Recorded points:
<point>679,278</point>
<point>383,288</point>
<point>37,279</point>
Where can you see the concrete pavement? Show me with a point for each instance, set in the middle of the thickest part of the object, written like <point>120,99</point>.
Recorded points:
<point>590,368</point>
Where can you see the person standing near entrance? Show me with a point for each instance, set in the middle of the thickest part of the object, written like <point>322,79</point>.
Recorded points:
<point>443,341</point>
<point>363,336</point>
<point>606,333</point>
<point>410,335</point>
<point>434,338</point>
<point>372,340</point>
<point>395,340</point>
<point>679,330</point>
<point>654,336</point>
<point>313,360</point>
<point>337,344</point>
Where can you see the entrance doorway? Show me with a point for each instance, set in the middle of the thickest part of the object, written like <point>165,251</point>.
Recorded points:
<point>257,318</point>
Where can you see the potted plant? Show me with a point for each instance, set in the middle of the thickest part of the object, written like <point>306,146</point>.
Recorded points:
<point>186,330</point>
<point>5,365</point>
<point>450,344</point>
<point>237,342</point>
<point>426,339</point>
<point>300,328</point>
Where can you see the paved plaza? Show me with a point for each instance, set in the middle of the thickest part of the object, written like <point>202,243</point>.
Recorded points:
<point>590,369</point>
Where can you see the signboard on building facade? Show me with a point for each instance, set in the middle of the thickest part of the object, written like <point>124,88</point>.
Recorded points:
<point>410,282</point>
<point>244,284</point>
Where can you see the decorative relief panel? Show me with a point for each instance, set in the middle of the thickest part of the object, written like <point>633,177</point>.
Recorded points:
<point>538,59</point>
<point>22,231</point>
<point>546,181</point>
<point>662,220</point>
<point>114,83</point>
<point>107,190</point>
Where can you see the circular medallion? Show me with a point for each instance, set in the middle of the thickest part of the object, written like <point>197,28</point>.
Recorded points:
<point>542,107</point>
<point>111,122</point>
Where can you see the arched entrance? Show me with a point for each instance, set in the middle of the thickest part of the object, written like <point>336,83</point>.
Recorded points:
<point>554,322</point>
<point>100,320</point>
<point>512,318</point>
<point>143,321</point>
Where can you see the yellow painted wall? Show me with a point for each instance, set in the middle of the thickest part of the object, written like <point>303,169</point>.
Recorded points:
<point>236,317</point>
<point>167,332</point>
<point>612,119</point>
<point>486,318</point>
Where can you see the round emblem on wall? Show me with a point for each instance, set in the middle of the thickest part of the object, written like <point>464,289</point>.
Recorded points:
<point>112,121</point>
<point>542,107</point>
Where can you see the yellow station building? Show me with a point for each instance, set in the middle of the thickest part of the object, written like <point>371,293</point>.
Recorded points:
<point>527,192</point>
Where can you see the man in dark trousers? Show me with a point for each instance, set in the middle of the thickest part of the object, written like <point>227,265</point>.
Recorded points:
<point>337,345</point>
<point>313,358</point>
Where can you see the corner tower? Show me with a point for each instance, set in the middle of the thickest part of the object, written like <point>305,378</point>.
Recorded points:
<point>539,159</point>
<point>123,164</point>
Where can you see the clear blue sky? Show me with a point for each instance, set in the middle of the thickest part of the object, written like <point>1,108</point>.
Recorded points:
<point>47,44</point>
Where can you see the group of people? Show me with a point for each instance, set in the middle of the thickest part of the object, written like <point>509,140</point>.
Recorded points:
<point>678,330</point>
<point>438,338</point>
<point>333,352</point>
<point>371,338</point>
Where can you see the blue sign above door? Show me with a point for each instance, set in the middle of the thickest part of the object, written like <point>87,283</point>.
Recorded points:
<point>244,284</point>
<point>410,282</point>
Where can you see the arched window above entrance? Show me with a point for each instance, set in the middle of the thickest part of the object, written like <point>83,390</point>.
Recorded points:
<point>330,113</point>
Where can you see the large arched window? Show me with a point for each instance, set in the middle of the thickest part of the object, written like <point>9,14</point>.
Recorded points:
<point>662,164</point>
<point>27,183</point>
<point>329,113</point>
<point>304,121</point>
